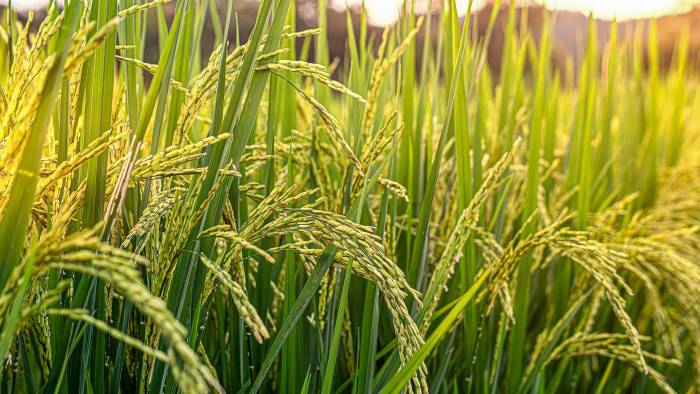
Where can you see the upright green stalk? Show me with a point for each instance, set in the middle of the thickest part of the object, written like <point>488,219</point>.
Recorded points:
<point>516,349</point>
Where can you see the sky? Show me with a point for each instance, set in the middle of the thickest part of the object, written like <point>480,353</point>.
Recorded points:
<point>383,12</point>
<point>25,4</point>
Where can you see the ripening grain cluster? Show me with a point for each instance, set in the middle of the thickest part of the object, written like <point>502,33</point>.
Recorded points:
<point>262,218</point>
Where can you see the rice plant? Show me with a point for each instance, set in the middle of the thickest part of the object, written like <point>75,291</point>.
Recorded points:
<point>258,219</point>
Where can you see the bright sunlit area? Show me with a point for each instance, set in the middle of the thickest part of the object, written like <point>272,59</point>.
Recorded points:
<point>383,12</point>
<point>23,5</point>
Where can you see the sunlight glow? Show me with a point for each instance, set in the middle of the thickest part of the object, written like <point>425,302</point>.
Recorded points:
<point>383,12</point>
<point>621,9</point>
<point>26,5</point>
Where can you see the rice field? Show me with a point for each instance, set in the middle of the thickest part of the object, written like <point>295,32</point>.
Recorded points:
<point>263,218</point>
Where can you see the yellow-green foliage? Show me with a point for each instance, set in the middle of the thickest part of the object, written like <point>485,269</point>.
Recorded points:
<point>260,222</point>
